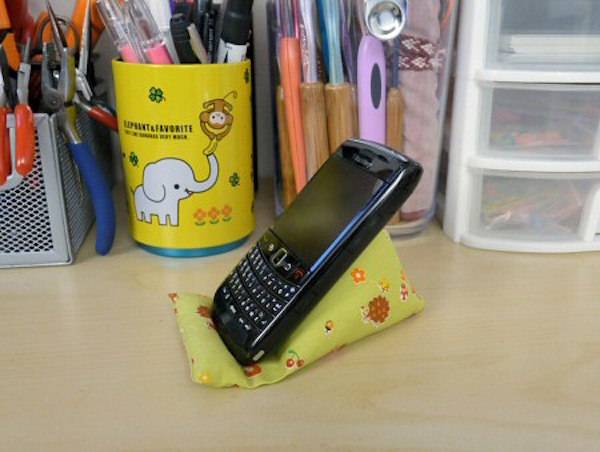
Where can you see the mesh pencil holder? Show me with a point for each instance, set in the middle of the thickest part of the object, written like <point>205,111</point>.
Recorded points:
<point>45,216</point>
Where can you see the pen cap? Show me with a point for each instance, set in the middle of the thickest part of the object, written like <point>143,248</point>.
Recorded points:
<point>182,40</point>
<point>160,11</point>
<point>237,21</point>
<point>113,20</point>
<point>145,25</point>
<point>179,28</point>
<point>120,30</point>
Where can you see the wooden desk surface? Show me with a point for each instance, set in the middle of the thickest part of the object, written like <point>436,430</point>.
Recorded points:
<point>506,356</point>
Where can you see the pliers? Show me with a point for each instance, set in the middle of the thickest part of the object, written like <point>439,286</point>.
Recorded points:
<point>17,101</point>
<point>59,90</point>
<point>24,119</point>
<point>7,97</point>
<point>85,98</point>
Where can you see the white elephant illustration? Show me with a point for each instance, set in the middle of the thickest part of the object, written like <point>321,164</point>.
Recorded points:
<point>167,182</point>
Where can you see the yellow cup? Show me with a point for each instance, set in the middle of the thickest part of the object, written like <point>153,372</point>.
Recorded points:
<point>186,141</point>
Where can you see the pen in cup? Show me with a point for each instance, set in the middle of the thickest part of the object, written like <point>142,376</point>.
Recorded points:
<point>314,115</point>
<point>202,7</point>
<point>208,31</point>
<point>291,80</point>
<point>121,31</point>
<point>395,104</point>
<point>339,95</point>
<point>151,39</point>
<point>287,163</point>
<point>185,7</point>
<point>161,12</point>
<point>371,88</point>
<point>235,34</point>
<point>181,39</point>
<point>198,45</point>
<point>349,54</point>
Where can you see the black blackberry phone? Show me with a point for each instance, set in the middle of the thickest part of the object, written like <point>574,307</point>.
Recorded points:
<point>298,259</point>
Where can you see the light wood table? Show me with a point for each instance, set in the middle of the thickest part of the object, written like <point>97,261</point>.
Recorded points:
<point>506,356</point>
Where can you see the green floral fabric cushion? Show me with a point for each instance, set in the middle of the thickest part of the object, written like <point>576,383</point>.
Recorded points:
<point>372,295</point>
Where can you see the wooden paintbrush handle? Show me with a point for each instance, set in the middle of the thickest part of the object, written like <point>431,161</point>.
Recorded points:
<point>355,109</point>
<point>291,79</point>
<point>316,138</point>
<point>287,167</point>
<point>395,119</point>
<point>340,114</point>
<point>395,129</point>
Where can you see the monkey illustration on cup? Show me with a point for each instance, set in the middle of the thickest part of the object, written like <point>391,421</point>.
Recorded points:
<point>169,181</point>
<point>216,121</point>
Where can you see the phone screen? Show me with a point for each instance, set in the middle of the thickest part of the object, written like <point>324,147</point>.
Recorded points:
<point>333,200</point>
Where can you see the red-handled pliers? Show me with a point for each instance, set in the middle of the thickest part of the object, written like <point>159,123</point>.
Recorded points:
<point>24,119</point>
<point>7,100</point>
<point>85,98</point>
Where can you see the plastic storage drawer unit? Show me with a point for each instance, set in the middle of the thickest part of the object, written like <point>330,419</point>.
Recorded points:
<point>545,34</point>
<point>541,121</point>
<point>524,160</point>
<point>535,208</point>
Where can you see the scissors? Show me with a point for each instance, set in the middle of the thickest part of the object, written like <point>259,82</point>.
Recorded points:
<point>59,88</point>
<point>17,101</point>
<point>85,98</point>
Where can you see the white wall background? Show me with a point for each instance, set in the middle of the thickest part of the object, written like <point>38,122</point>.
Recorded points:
<point>263,129</point>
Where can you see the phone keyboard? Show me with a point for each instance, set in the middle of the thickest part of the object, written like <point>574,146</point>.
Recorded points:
<point>255,294</point>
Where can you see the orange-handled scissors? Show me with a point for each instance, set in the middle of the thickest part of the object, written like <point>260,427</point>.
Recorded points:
<point>22,23</point>
<point>24,119</point>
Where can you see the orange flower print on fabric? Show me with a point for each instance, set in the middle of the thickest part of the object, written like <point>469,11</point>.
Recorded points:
<point>404,292</point>
<point>384,285</point>
<point>252,371</point>
<point>405,288</point>
<point>205,313</point>
<point>377,311</point>
<point>359,276</point>
<point>329,327</point>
